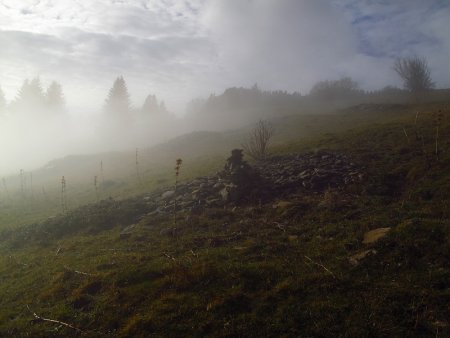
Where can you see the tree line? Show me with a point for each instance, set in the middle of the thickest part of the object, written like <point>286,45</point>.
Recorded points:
<point>413,71</point>
<point>32,97</point>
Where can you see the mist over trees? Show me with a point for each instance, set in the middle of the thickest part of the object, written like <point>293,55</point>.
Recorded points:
<point>123,125</point>
<point>55,97</point>
<point>154,108</point>
<point>32,99</point>
<point>238,106</point>
<point>345,88</point>
<point>118,101</point>
<point>41,112</point>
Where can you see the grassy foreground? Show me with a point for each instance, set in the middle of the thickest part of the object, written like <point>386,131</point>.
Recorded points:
<point>293,268</point>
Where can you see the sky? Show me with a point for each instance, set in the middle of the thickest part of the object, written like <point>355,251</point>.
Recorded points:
<point>179,49</point>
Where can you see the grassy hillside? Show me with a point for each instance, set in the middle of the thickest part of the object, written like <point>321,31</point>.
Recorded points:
<point>202,152</point>
<point>298,265</point>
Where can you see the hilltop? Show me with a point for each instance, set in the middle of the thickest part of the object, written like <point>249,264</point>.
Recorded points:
<point>346,234</point>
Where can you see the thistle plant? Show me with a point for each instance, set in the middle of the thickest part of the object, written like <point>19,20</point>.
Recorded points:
<point>22,183</point>
<point>5,188</point>
<point>177,174</point>
<point>138,175</point>
<point>63,195</point>
<point>437,122</point>
<point>96,187</point>
<point>102,176</point>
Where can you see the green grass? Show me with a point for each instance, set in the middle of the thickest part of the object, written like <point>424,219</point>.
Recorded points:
<point>234,272</point>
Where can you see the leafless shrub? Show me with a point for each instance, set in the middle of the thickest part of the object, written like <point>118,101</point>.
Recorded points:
<point>416,75</point>
<point>256,146</point>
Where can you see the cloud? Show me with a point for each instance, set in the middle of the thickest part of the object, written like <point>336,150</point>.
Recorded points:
<point>390,29</point>
<point>180,49</point>
<point>150,46</point>
<point>283,44</point>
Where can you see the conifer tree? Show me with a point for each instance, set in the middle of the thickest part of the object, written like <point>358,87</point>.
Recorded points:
<point>150,105</point>
<point>118,100</point>
<point>55,97</point>
<point>30,96</point>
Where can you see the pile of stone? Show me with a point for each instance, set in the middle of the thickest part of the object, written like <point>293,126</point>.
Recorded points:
<point>313,172</point>
<point>237,183</point>
<point>278,176</point>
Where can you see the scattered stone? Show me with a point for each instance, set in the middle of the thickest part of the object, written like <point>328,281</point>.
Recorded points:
<point>273,178</point>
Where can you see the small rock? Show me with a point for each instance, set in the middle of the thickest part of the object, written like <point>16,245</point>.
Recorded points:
<point>128,231</point>
<point>225,194</point>
<point>375,235</point>
<point>218,186</point>
<point>167,232</point>
<point>356,258</point>
<point>168,194</point>
<point>282,205</point>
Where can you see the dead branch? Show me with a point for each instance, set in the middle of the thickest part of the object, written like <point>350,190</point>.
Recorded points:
<point>54,321</point>
<point>322,266</point>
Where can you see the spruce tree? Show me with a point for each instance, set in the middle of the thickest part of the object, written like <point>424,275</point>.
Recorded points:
<point>30,96</point>
<point>55,97</point>
<point>118,100</point>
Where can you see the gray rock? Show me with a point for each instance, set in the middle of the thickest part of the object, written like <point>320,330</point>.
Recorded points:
<point>224,194</point>
<point>218,186</point>
<point>168,194</point>
<point>167,232</point>
<point>125,233</point>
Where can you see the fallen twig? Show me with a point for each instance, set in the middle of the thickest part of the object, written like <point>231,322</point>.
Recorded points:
<point>406,134</point>
<point>322,266</point>
<point>54,321</point>
<point>280,226</point>
<point>78,272</point>
<point>169,256</point>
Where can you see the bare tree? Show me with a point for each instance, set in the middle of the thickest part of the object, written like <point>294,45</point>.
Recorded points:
<point>415,73</point>
<point>256,145</point>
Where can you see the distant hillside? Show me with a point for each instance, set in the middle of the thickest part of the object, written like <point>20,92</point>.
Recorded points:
<point>239,106</point>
